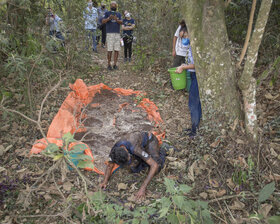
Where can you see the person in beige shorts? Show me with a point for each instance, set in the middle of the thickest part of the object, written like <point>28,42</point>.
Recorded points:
<point>113,20</point>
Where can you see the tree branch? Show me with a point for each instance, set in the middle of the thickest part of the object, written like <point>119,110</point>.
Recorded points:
<point>248,35</point>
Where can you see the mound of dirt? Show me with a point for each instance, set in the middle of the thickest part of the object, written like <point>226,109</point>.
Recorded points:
<point>107,119</point>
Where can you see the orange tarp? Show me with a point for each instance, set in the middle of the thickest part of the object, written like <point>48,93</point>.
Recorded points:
<point>70,113</point>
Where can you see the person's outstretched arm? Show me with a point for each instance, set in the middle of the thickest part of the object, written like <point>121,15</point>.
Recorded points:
<point>184,67</point>
<point>153,170</point>
<point>108,174</point>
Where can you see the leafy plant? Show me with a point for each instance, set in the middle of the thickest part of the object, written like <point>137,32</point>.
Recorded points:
<point>266,192</point>
<point>71,153</point>
<point>174,207</point>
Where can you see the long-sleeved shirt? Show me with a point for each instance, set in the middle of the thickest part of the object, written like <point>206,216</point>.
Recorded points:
<point>101,13</point>
<point>90,16</point>
<point>53,22</point>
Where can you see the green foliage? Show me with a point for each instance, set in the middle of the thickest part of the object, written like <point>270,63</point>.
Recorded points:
<point>174,207</point>
<point>74,153</point>
<point>242,175</point>
<point>266,192</point>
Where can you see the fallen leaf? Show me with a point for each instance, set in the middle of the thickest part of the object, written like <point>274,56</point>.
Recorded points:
<point>212,193</point>
<point>237,205</point>
<point>133,187</point>
<point>239,141</point>
<point>274,176</point>
<point>122,186</point>
<point>234,124</point>
<point>230,183</point>
<point>221,193</point>
<point>216,143</point>
<point>67,186</point>
<point>243,162</point>
<point>132,198</point>
<point>21,170</point>
<point>264,209</point>
<point>270,97</point>
<point>129,205</point>
<point>204,195</point>
<point>178,165</point>
<point>47,197</point>
<point>171,158</point>
<point>273,153</point>
<point>2,169</point>
<point>2,150</point>
<point>214,183</point>
<point>191,173</point>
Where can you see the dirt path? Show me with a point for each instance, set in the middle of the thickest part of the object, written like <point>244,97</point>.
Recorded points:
<point>173,105</point>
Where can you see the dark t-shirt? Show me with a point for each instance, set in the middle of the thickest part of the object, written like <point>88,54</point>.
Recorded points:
<point>112,26</point>
<point>128,23</point>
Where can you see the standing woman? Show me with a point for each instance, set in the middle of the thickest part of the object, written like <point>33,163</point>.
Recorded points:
<point>194,99</point>
<point>179,51</point>
<point>127,27</point>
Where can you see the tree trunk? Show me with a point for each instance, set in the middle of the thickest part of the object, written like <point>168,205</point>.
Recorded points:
<point>215,70</point>
<point>247,82</point>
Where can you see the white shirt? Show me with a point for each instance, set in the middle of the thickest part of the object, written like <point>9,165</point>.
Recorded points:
<point>90,16</point>
<point>189,58</point>
<point>180,49</point>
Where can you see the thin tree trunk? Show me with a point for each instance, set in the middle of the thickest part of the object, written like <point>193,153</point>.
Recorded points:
<point>247,82</point>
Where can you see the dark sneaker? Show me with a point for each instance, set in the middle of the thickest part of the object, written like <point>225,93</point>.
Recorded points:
<point>129,60</point>
<point>109,68</point>
<point>192,135</point>
<point>103,45</point>
<point>125,59</point>
<point>115,67</point>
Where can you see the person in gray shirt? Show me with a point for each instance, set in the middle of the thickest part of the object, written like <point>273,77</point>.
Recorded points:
<point>53,21</point>
<point>101,12</point>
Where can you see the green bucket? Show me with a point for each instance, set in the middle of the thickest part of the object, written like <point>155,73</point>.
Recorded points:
<point>179,80</point>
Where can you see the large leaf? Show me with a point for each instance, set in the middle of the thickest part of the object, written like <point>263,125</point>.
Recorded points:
<point>165,202</point>
<point>170,185</point>
<point>67,138</point>
<point>51,148</point>
<point>85,164</point>
<point>163,212</point>
<point>179,201</point>
<point>78,148</point>
<point>274,220</point>
<point>172,219</point>
<point>98,196</point>
<point>266,191</point>
<point>185,188</point>
<point>80,157</point>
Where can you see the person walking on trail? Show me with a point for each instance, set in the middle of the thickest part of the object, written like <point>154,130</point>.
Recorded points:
<point>113,21</point>
<point>136,151</point>
<point>194,99</point>
<point>179,51</point>
<point>90,16</point>
<point>101,12</point>
<point>53,21</point>
<point>127,27</point>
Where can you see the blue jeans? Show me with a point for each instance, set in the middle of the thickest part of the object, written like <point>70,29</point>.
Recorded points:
<point>194,103</point>
<point>58,35</point>
<point>91,34</point>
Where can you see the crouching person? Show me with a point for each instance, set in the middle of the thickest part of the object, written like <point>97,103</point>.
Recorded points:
<point>136,151</point>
